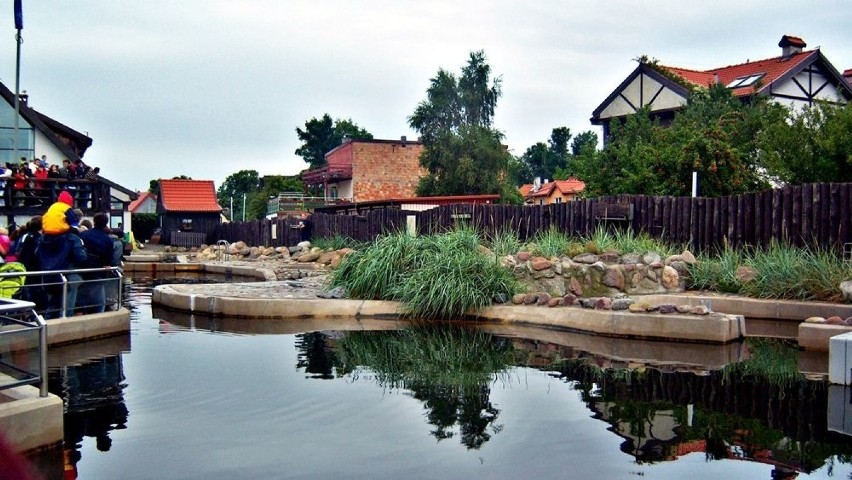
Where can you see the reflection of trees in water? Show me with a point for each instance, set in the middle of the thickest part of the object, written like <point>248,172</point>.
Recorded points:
<point>447,368</point>
<point>315,355</point>
<point>784,421</point>
<point>94,401</point>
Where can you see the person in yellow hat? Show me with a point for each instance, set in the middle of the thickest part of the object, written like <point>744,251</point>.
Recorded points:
<point>60,217</point>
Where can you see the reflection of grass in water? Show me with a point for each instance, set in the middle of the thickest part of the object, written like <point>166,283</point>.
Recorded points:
<point>437,355</point>
<point>773,361</point>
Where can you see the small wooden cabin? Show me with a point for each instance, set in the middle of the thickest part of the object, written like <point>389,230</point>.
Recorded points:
<point>188,211</point>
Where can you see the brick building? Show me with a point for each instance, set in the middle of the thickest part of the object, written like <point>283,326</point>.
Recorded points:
<point>369,170</point>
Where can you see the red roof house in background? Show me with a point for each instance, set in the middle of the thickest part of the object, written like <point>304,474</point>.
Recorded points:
<point>146,202</point>
<point>557,191</point>
<point>797,77</point>
<point>188,211</point>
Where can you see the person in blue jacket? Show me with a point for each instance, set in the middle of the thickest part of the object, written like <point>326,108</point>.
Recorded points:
<point>61,252</point>
<point>99,249</point>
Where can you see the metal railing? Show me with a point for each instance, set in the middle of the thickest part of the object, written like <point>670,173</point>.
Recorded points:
<point>18,324</point>
<point>63,293</point>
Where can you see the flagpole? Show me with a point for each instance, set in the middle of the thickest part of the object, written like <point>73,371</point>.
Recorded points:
<point>19,25</point>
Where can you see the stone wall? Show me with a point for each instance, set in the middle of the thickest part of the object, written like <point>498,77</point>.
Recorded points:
<point>604,275</point>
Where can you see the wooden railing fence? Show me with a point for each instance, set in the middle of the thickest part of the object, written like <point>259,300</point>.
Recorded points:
<point>813,214</point>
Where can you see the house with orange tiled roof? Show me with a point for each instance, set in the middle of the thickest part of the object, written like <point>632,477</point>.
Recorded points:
<point>795,78</point>
<point>188,211</point>
<point>146,202</point>
<point>557,191</point>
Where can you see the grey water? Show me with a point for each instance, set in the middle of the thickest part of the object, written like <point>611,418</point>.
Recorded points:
<point>194,398</point>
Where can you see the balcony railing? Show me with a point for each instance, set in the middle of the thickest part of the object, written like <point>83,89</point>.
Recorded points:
<point>37,195</point>
<point>298,202</point>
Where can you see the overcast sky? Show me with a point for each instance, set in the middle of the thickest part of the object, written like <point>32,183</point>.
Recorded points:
<point>206,88</point>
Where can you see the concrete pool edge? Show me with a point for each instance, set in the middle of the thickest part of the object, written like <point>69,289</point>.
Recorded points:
<point>713,328</point>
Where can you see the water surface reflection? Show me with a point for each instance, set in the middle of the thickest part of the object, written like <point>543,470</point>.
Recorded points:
<point>228,398</point>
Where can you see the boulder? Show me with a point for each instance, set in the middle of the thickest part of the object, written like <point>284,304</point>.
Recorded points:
<point>308,257</point>
<point>543,298</point>
<point>846,290</point>
<point>554,302</point>
<point>670,278</point>
<point>603,303</point>
<point>745,274</point>
<point>518,298</point>
<point>530,299</point>
<point>540,263</point>
<point>524,256</point>
<point>815,320</point>
<point>588,258</point>
<point>622,303</point>
<point>569,299</point>
<point>651,258</point>
<point>609,257</point>
<point>613,277</point>
<point>834,320</point>
<point>575,288</point>
<point>700,310</point>
<point>667,308</point>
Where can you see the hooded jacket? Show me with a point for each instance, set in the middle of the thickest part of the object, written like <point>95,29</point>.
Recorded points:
<point>61,252</point>
<point>60,217</point>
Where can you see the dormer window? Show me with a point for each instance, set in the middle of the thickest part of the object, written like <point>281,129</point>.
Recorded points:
<point>746,81</point>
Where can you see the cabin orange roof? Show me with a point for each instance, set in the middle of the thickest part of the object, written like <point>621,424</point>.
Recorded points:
<point>771,69</point>
<point>572,185</point>
<point>188,196</point>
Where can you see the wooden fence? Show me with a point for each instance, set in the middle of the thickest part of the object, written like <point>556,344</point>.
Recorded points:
<point>812,214</point>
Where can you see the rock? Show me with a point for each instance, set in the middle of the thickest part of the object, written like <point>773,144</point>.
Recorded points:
<point>336,292</point>
<point>834,320</point>
<point>519,271</point>
<point>846,290</point>
<point>336,260</point>
<point>651,258</point>
<point>588,258</point>
<point>485,251</point>
<point>622,303</point>
<point>815,320</point>
<point>670,279</point>
<point>575,288</point>
<point>540,263</point>
<point>745,274</point>
<point>609,257</point>
<point>614,278</point>
<point>554,302</point>
<point>326,258</point>
<point>587,302</point>
<point>306,245</point>
<point>683,308</point>
<point>700,310</point>
<point>639,307</point>
<point>631,259</point>
<point>543,298</point>
<point>524,256</point>
<point>667,308</point>
<point>530,299</point>
<point>501,298</point>
<point>518,298</point>
<point>255,252</point>
<point>569,299</point>
<point>688,257</point>
<point>656,265</point>
<point>308,257</point>
<point>848,322</point>
<point>603,303</point>
<point>598,266</point>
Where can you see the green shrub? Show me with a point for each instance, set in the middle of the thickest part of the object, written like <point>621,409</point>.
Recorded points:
<point>336,242</point>
<point>437,276</point>
<point>550,243</point>
<point>795,273</point>
<point>716,273</point>
<point>504,242</point>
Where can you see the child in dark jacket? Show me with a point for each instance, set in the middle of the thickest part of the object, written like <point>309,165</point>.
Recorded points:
<point>61,252</point>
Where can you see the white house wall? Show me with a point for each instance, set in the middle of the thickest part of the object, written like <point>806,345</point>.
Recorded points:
<point>43,146</point>
<point>640,92</point>
<point>811,81</point>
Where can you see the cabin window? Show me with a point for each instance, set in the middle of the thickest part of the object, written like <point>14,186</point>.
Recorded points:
<point>745,81</point>
<point>332,191</point>
<point>186,225</point>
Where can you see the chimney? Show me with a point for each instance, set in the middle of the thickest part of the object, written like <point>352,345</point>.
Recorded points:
<point>403,139</point>
<point>847,74</point>
<point>791,45</point>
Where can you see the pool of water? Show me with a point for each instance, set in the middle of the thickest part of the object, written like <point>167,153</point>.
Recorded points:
<point>182,397</point>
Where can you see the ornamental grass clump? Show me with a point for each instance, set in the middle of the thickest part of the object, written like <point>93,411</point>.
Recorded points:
<point>434,277</point>
<point>504,242</point>
<point>551,243</point>
<point>716,272</point>
<point>335,242</point>
<point>796,273</point>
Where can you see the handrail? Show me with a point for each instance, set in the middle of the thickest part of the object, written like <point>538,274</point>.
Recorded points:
<point>61,282</point>
<point>31,320</point>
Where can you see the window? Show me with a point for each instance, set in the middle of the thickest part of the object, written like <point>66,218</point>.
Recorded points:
<point>332,192</point>
<point>746,81</point>
<point>186,225</point>
<point>558,199</point>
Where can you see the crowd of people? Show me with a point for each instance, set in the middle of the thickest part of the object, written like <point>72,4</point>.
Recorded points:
<point>33,181</point>
<point>61,240</point>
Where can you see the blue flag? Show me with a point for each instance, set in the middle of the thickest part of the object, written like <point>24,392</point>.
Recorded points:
<point>19,16</point>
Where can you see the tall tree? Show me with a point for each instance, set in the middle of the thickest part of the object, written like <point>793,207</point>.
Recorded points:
<point>235,189</point>
<point>321,135</point>
<point>462,152</point>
